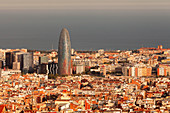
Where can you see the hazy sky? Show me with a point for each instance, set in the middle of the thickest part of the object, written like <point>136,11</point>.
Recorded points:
<point>84,4</point>
<point>93,24</point>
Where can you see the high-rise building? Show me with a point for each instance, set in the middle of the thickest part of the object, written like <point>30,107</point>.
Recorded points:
<point>1,64</point>
<point>43,68</point>
<point>16,65</point>
<point>52,68</point>
<point>64,53</point>
<point>27,62</point>
<point>43,59</point>
<point>9,59</point>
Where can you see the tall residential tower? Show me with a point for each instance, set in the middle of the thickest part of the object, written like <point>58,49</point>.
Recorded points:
<point>64,53</point>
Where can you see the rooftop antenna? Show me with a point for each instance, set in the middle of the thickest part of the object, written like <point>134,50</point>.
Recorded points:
<point>52,46</point>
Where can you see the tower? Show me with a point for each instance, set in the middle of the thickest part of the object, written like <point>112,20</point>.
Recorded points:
<point>64,53</point>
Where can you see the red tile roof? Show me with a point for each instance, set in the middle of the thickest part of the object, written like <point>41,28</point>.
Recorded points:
<point>2,107</point>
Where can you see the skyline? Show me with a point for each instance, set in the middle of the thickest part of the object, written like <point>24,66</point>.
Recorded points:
<point>123,24</point>
<point>85,56</point>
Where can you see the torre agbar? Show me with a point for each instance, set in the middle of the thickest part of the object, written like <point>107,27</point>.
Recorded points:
<point>64,53</point>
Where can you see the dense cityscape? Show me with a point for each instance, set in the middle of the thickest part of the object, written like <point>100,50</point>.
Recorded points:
<point>69,80</point>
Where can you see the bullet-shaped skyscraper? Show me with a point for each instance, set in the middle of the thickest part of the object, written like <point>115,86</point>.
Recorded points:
<point>64,53</point>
